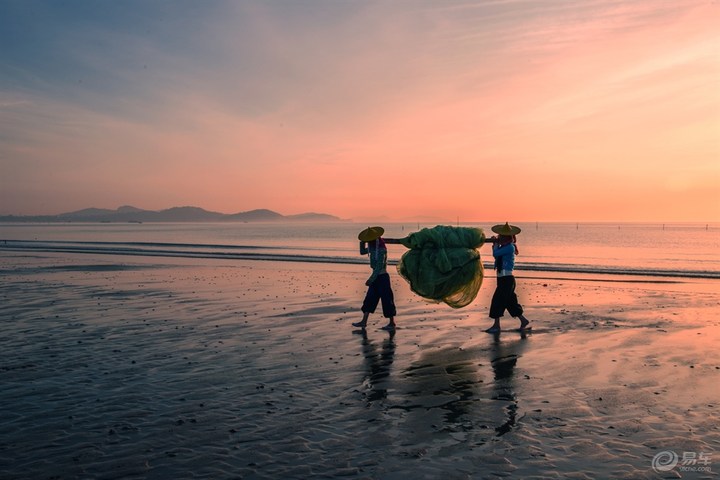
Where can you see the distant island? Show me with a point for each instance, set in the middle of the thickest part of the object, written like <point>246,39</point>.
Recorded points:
<point>128,214</point>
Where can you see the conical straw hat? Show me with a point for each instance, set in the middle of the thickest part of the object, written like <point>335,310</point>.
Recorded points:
<point>370,234</point>
<point>506,229</point>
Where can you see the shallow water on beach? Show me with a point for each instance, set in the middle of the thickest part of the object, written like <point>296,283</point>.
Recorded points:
<point>686,250</point>
<point>214,369</point>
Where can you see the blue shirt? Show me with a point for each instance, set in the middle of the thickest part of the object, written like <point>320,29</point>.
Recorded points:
<point>378,261</point>
<point>506,257</point>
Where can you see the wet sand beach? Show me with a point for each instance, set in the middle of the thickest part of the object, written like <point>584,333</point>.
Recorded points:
<point>132,368</point>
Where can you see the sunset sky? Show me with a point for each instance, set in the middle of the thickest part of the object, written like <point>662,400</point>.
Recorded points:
<point>582,110</point>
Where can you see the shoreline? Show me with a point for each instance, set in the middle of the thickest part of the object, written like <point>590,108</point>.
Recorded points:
<point>244,253</point>
<point>162,368</point>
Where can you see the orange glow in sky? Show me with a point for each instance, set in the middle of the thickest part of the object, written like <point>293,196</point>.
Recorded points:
<point>542,111</point>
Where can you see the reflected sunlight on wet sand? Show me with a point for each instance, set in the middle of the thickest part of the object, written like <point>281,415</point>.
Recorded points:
<point>216,369</point>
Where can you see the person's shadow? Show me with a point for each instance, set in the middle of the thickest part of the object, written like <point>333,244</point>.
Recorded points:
<point>378,362</point>
<point>503,358</point>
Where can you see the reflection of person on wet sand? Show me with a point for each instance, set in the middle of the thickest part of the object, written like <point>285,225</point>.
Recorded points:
<point>504,250</point>
<point>503,357</point>
<point>378,364</point>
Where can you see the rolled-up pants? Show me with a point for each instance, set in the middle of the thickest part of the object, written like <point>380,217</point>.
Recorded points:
<point>380,289</point>
<point>505,298</point>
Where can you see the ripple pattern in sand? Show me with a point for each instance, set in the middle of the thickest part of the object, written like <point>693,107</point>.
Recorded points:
<point>245,371</point>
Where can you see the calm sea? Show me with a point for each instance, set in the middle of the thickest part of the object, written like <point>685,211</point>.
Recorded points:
<point>680,250</point>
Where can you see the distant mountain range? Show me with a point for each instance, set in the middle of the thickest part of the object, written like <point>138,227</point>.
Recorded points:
<point>128,214</point>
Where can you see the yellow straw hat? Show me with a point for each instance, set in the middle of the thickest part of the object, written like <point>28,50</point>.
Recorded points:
<point>370,234</point>
<point>506,229</point>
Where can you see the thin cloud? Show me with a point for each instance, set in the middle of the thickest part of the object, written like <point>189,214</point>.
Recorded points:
<point>232,104</point>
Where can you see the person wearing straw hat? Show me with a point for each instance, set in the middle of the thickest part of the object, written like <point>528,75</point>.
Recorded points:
<point>379,288</point>
<point>504,250</point>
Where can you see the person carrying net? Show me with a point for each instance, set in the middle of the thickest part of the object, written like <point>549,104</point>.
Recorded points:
<point>379,288</point>
<point>504,249</point>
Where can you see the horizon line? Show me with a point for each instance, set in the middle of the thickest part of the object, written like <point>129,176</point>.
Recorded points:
<point>386,219</point>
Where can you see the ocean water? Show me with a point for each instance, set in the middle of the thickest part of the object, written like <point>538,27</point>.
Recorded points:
<point>676,250</point>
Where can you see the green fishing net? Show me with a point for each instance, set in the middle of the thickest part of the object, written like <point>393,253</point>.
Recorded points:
<point>443,264</point>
